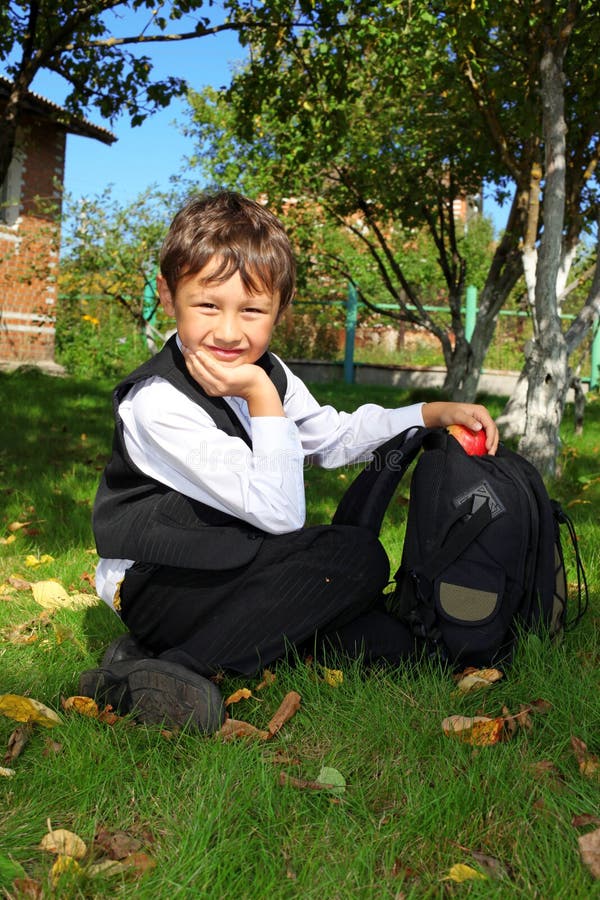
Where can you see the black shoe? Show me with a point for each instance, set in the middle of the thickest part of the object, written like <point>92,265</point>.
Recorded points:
<point>156,692</point>
<point>124,648</point>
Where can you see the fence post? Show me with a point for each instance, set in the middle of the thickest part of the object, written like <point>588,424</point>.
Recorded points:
<point>351,319</point>
<point>595,356</point>
<point>471,311</point>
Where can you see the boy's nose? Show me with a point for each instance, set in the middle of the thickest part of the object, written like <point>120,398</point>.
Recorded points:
<point>227,330</point>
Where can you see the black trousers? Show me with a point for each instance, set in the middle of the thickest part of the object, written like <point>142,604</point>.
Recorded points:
<point>316,589</point>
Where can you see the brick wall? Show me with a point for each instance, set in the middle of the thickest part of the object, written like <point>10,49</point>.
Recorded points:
<point>29,249</point>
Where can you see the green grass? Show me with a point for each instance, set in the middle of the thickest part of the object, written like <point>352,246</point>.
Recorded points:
<point>214,816</point>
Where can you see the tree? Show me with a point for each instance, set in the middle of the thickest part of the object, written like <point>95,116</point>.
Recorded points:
<point>342,132</point>
<point>74,39</point>
<point>403,106</point>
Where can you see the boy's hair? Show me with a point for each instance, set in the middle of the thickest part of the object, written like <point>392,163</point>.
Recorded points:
<point>239,235</point>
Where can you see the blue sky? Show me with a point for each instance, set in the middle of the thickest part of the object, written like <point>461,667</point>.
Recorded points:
<point>152,152</point>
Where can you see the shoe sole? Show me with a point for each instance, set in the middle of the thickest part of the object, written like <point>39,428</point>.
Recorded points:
<point>157,692</point>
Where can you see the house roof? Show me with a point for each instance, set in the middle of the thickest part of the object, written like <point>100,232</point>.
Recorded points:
<point>39,105</point>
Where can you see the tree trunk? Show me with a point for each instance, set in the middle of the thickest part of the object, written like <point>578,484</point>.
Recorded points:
<point>548,362</point>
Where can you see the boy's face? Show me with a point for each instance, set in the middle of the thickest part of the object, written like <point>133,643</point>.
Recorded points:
<point>234,326</point>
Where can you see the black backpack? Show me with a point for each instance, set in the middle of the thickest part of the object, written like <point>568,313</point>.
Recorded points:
<point>482,558</point>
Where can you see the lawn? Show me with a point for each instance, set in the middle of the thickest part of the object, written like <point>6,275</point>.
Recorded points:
<point>199,817</point>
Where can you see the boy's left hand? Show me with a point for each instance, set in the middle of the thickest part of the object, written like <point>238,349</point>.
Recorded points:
<point>471,415</point>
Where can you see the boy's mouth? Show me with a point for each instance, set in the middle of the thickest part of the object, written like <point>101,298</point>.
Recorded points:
<point>226,354</point>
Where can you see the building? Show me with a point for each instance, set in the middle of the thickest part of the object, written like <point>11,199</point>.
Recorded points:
<point>30,208</point>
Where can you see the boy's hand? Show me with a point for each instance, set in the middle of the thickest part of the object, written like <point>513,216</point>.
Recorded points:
<point>471,415</point>
<point>247,381</point>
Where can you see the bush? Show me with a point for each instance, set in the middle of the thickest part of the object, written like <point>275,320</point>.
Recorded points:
<point>95,338</point>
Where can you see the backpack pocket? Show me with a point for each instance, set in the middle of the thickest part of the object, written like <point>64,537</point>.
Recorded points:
<point>474,609</point>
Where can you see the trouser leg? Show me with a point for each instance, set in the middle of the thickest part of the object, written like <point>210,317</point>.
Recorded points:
<point>311,582</point>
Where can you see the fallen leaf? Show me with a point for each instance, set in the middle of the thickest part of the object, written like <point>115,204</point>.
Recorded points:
<point>49,594</point>
<point>332,779</point>
<point>589,848</point>
<point>491,866</point>
<point>63,843</point>
<point>20,584</point>
<point>135,862</point>
<point>461,872</point>
<point>17,741</point>
<point>52,748</point>
<point>15,526</point>
<point>584,820</point>
<point>478,730</point>
<point>8,540</point>
<point>26,709</point>
<point>268,678</point>
<point>32,561</point>
<point>6,773</point>
<point>235,728</point>
<point>476,679</point>
<point>241,694</point>
<point>116,844</point>
<point>304,784</point>
<point>333,677</point>
<point>589,764</point>
<point>64,865</point>
<point>288,708</point>
<point>85,706</point>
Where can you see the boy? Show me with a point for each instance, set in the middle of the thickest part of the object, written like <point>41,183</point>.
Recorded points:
<point>200,512</point>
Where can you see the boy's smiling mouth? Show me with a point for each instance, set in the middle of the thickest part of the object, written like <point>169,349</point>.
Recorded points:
<point>226,354</point>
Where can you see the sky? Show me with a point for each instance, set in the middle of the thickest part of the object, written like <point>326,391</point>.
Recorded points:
<point>155,150</point>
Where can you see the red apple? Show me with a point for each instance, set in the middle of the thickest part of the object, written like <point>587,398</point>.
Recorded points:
<point>472,442</point>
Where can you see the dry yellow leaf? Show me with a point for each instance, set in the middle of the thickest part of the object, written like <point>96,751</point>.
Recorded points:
<point>62,866</point>
<point>589,848</point>
<point>477,679</point>
<point>241,694</point>
<point>26,709</point>
<point>49,594</point>
<point>479,730</point>
<point>461,872</point>
<point>15,526</point>
<point>63,843</point>
<point>85,706</point>
<point>31,561</point>
<point>9,540</point>
<point>6,773</point>
<point>333,677</point>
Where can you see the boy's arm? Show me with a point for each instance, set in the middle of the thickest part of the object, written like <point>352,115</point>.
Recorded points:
<point>472,415</point>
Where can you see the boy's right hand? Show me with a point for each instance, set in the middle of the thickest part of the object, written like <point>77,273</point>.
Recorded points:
<point>247,380</point>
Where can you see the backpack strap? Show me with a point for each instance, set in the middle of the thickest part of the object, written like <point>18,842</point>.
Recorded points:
<point>368,497</point>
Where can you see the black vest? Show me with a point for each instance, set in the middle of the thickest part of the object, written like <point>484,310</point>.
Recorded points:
<point>136,517</point>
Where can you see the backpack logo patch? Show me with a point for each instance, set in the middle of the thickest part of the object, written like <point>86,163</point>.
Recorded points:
<point>481,494</point>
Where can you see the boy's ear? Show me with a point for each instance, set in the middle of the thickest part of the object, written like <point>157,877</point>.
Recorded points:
<point>166,298</point>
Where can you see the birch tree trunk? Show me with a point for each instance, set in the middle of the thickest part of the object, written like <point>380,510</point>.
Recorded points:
<point>547,362</point>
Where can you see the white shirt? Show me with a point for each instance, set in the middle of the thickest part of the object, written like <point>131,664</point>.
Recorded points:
<point>174,441</point>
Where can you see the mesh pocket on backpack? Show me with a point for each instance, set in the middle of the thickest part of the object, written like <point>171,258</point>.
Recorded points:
<point>469,592</point>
